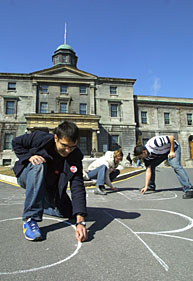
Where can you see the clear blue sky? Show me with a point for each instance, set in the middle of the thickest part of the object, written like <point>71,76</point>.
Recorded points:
<point>148,40</point>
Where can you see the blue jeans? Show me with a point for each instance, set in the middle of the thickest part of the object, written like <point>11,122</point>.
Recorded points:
<point>99,174</point>
<point>38,199</point>
<point>139,163</point>
<point>175,163</point>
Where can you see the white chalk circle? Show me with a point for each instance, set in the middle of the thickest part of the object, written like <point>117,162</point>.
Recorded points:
<point>188,219</point>
<point>136,195</point>
<point>79,244</point>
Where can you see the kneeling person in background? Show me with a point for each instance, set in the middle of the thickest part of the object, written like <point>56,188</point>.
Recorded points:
<point>104,169</point>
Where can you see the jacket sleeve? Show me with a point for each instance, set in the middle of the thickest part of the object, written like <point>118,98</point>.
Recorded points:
<point>22,146</point>
<point>27,145</point>
<point>78,192</point>
<point>98,162</point>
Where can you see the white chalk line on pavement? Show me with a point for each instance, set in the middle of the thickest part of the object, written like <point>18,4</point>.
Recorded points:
<point>165,266</point>
<point>144,197</point>
<point>190,222</point>
<point>160,233</point>
<point>79,244</point>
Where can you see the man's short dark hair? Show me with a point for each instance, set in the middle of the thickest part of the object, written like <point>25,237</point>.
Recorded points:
<point>67,129</point>
<point>138,150</point>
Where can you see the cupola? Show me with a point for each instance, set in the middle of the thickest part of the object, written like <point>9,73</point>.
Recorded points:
<point>64,54</point>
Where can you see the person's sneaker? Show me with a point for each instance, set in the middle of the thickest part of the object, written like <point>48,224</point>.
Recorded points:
<point>103,188</point>
<point>31,230</point>
<point>98,190</point>
<point>151,188</point>
<point>188,194</point>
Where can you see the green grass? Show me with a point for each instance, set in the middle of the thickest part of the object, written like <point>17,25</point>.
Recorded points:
<point>129,169</point>
<point>6,171</point>
<point>9,172</point>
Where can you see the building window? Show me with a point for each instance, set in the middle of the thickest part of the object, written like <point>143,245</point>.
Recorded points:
<point>10,107</point>
<point>113,90</point>
<point>83,108</point>
<point>44,89</point>
<point>82,89</point>
<point>64,59</point>
<point>63,107</point>
<point>6,162</point>
<point>143,117</point>
<point>189,118</point>
<point>114,110</point>
<point>115,142</point>
<point>63,89</point>
<point>166,118</point>
<point>56,59</point>
<point>11,86</point>
<point>43,107</point>
<point>72,61</point>
<point>8,141</point>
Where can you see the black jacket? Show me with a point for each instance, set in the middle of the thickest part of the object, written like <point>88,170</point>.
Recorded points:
<point>28,145</point>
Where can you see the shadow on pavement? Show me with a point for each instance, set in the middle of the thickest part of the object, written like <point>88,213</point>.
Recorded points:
<point>169,189</point>
<point>103,216</point>
<point>53,227</point>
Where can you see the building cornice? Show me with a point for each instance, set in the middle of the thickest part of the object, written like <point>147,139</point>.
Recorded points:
<point>116,80</point>
<point>163,100</point>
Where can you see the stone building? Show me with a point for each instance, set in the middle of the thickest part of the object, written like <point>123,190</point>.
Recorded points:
<point>107,113</point>
<point>102,107</point>
<point>163,116</point>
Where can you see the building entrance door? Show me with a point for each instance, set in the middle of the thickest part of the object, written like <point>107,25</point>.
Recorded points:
<point>191,146</point>
<point>83,145</point>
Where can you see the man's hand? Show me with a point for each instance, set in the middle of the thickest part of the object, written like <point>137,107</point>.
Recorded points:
<point>36,159</point>
<point>81,233</point>
<point>143,190</point>
<point>171,155</point>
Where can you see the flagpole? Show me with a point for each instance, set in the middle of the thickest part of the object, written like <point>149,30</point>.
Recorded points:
<point>65,35</point>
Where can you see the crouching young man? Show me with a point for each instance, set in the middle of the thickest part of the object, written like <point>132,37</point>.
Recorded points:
<point>157,150</point>
<point>46,163</point>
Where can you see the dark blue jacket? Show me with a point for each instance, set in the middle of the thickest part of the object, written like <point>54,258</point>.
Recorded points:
<point>28,145</point>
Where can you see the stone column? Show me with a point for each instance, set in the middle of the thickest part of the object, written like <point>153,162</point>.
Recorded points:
<point>92,99</point>
<point>94,140</point>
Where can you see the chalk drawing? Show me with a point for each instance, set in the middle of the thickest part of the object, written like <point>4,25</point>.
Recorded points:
<point>14,199</point>
<point>136,195</point>
<point>160,233</point>
<point>165,266</point>
<point>79,244</point>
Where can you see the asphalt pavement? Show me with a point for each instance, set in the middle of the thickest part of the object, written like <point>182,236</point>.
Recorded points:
<point>130,236</point>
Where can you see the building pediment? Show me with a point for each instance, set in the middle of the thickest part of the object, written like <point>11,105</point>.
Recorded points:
<point>63,71</point>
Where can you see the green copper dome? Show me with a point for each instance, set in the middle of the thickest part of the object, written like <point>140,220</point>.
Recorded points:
<point>64,47</point>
